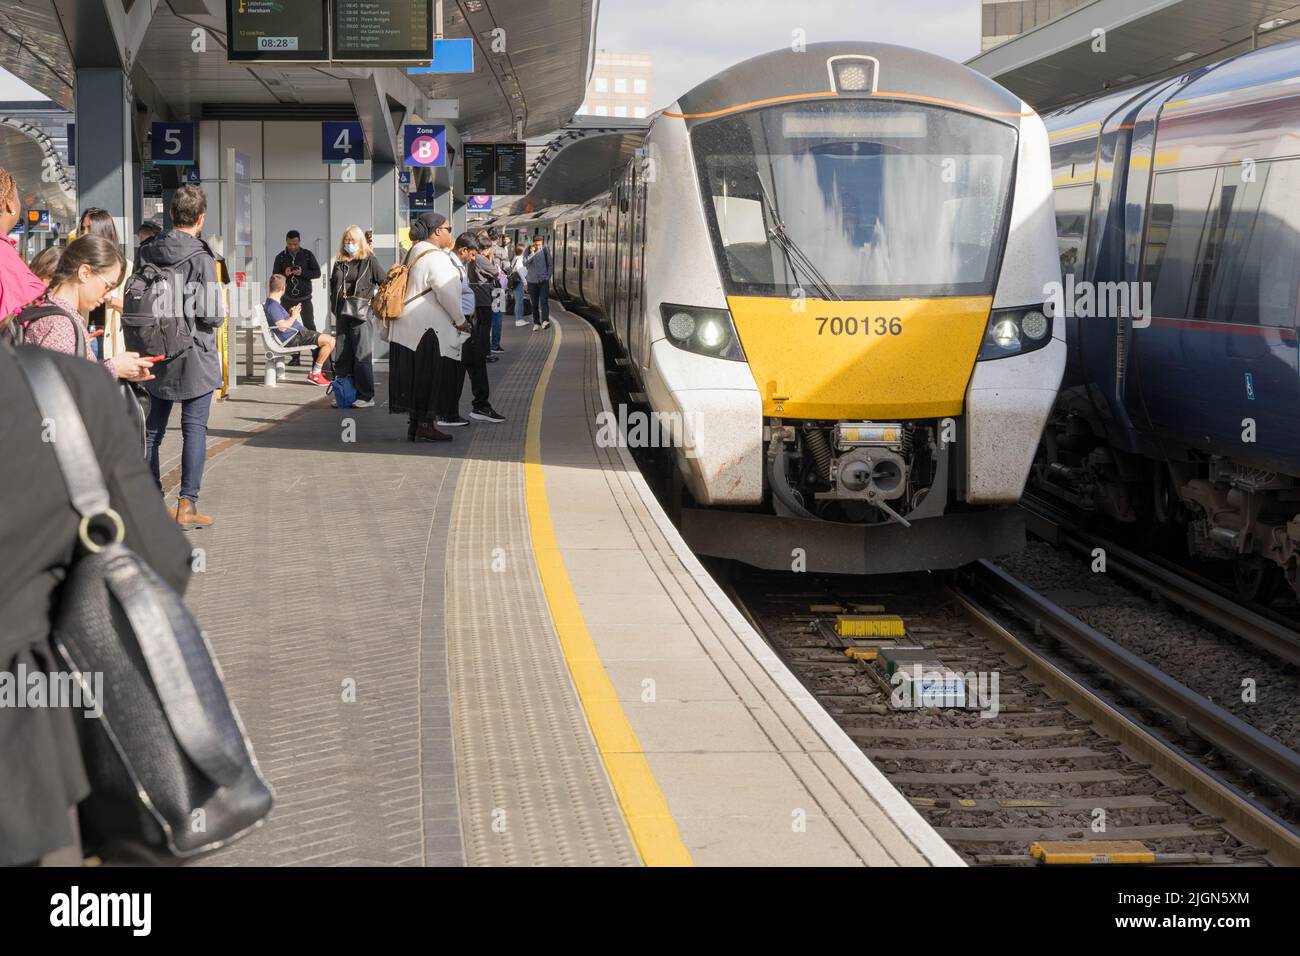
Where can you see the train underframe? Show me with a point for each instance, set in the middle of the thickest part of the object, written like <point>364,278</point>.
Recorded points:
<point>1224,510</point>
<point>857,497</point>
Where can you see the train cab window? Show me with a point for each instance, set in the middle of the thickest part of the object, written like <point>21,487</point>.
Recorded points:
<point>1180,212</point>
<point>1073,207</point>
<point>867,197</point>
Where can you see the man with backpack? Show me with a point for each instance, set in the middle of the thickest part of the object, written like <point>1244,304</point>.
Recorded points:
<point>189,314</point>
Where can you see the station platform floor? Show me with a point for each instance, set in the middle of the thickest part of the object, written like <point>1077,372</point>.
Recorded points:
<point>498,650</point>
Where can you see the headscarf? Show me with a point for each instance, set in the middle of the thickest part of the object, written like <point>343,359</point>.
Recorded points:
<point>425,225</point>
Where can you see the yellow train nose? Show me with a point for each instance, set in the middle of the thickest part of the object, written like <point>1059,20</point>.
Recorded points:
<point>893,358</point>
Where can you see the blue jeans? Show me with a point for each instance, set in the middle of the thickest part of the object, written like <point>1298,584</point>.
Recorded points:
<point>194,439</point>
<point>519,302</point>
<point>496,328</point>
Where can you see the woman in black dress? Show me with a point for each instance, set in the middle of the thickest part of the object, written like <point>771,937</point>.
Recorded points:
<point>426,330</point>
<point>353,281</point>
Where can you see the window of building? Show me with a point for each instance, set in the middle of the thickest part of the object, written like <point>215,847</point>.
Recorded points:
<point>639,112</point>
<point>638,86</point>
<point>602,110</point>
<point>620,85</point>
<point>602,84</point>
<point>620,110</point>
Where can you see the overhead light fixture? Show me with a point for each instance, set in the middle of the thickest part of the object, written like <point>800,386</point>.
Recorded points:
<point>1126,78</point>
<point>1184,57</point>
<point>1273,24</point>
<point>474,6</point>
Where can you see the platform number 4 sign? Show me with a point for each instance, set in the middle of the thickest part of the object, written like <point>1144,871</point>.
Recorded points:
<point>341,142</point>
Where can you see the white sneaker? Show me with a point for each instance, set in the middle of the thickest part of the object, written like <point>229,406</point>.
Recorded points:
<point>519,322</point>
<point>363,403</point>
<point>546,324</point>
<point>536,327</point>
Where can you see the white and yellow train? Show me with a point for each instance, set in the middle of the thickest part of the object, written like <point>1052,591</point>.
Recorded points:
<point>831,267</point>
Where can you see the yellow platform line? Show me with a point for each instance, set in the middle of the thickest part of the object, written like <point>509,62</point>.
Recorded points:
<point>649,820</point>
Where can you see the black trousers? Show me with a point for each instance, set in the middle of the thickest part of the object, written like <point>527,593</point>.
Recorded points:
<point>308,316</point>
<point>539,294</point>
<point>473,358</point>
<point>356,355</point>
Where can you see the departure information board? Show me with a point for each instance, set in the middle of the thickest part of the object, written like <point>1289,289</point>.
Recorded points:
<point>512,169</point>
<point>480,169</point>
<point>368,30</point>
<point>277,30</point>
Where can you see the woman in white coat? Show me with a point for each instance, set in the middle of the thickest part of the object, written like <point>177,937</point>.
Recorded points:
<point>431,328</point>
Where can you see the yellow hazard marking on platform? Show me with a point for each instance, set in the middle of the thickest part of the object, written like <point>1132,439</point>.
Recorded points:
<point>645,808</point>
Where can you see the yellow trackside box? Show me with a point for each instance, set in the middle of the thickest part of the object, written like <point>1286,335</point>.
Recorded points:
<point>870,625</point>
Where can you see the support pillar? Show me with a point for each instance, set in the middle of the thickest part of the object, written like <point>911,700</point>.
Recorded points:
<point>106,169</point>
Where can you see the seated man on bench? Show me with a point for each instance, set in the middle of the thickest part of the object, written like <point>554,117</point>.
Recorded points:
<point>287,327</point>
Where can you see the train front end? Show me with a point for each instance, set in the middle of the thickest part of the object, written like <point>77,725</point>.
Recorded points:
<point>882,234</point>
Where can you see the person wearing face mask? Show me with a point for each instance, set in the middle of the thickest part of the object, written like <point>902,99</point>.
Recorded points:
<point>87,272</point>
<point>353,281</point>
<point>18,285</point>
<point>191,377</point>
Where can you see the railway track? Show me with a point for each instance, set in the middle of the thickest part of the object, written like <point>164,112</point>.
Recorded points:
<point>1042,758</point>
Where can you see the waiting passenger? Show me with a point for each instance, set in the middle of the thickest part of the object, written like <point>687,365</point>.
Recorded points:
<point>540,269</point>
<point>87,270</point>
<point>300,269</point>
<point>45,262</point>
<point>480,278</point>
<point>99,222</point>
<point>425,343</point>
<point>289,330</point>
<point>519,285</point>
<point>353,281</point>
<point>43,777</point>
<point>191,377</point>
<point>18,284</point>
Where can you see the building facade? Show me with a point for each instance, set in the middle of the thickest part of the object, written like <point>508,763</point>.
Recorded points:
<point>1004,20</point>
<point>622,85</point>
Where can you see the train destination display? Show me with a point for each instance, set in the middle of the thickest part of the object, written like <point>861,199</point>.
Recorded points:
<point>277,29</point>
<point>367,30</point>
<point>511,169</point>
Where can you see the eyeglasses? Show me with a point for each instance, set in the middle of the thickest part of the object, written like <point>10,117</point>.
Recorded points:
<point>443,228</point>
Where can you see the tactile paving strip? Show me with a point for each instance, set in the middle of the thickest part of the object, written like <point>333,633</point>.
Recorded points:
<point>533,788</point>
<point>321,598</point>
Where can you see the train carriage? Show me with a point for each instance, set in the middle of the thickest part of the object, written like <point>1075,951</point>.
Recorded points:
<point>829,268</point>
<point>1181,409</point>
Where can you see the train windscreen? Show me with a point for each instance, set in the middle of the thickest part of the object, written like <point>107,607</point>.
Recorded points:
<point>868,198</point>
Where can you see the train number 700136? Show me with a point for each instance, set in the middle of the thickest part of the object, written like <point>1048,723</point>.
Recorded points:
<point>880,325</point>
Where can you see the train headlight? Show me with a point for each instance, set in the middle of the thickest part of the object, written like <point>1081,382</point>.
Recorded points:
<point>703,331</point>
<point>1006,334</point>
<point>1015,332</point>
<point>681,326</point>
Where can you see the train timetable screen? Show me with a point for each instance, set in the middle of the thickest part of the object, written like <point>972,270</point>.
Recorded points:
<point>367,30</point>
<point>277,29</point>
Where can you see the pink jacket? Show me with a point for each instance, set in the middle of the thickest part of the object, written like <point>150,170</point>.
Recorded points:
<point>18,284</point>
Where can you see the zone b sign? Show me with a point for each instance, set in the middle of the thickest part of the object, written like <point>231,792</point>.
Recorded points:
<point>340,142</point>
<point>425,146</point>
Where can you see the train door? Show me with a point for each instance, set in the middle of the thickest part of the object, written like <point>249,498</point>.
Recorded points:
<point>639,338</point>
<point>627,218</point>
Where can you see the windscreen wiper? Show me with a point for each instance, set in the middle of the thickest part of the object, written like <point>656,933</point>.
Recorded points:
<point>798,259</point>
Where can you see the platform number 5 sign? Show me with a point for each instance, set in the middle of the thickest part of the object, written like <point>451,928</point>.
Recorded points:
<point>425,146</point>
<point>172,144</point>
<point>340,142</point>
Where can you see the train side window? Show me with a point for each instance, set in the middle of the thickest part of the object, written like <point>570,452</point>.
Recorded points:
<point>1180,210</point>
<point>1256,280</point>
<point>1073,207</point>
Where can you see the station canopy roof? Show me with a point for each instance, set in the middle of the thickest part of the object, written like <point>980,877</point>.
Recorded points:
<point>1055,64</point>
<point>539,79</point>
<point>579,161</point>
<point>22,157</point>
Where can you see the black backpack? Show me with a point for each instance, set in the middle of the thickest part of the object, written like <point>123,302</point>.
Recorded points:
<point>153,309</point>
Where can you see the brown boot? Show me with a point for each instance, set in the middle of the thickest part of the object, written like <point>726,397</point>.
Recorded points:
<point>187,516</point>
<point>427,431</point>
